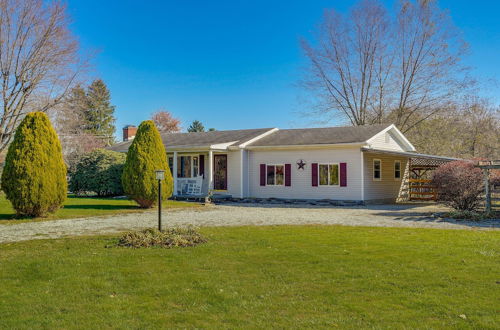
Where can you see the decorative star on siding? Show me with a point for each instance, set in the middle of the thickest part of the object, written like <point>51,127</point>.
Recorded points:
<point>301,164</point>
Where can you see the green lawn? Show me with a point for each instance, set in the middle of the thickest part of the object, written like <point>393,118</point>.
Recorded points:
<point>258,277</point>
<point>77,207</point>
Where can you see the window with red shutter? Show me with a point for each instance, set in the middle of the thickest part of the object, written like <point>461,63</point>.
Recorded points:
<point>262,174</point>
<point>288,175</point>
<point>314,174</point>
<point>343,174</point>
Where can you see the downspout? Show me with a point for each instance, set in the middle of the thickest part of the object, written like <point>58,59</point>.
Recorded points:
<point>362,175</point>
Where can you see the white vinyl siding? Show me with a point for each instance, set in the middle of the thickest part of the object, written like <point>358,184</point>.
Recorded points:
<point>301,180</point>
<point>386,189</point>
<point>386,141</point>
<point>234,179</point>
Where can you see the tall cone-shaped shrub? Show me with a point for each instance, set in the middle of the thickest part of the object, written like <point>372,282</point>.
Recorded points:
<point>146,155</point>
<point>34,176</point>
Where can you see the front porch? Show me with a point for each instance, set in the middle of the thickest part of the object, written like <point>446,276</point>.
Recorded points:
<point>198,174</point>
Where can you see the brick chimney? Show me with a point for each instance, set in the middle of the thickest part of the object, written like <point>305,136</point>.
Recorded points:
<point>129,132</point>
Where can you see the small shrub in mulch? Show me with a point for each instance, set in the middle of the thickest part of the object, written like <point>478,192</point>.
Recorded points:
<point>169,238</point>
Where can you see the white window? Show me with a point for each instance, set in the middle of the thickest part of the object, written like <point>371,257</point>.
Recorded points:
<point>328,174</point>
<point>275,175</point>
<point>377,169</point>
<point>397,169</point>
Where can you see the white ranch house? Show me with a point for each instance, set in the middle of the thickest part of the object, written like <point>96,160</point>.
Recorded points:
<point>361,164</point>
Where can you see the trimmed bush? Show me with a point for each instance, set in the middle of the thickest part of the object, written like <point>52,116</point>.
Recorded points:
<point>34,176</point>
<point>98,172</point>
<point>169,238</point>
<point>459,185</point>
<point>145,155</point>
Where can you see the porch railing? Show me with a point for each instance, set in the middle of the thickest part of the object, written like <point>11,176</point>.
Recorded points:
<point>190,186</point>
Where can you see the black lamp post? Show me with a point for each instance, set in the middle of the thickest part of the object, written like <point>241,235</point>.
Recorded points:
<point>160,175</point>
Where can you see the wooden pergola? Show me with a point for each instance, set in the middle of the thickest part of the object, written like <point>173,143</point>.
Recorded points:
<point>486,166</point>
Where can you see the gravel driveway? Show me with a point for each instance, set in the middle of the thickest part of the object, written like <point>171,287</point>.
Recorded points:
<point>244,214</point>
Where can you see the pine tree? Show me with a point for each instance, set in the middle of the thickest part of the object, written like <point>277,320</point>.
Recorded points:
<point>34,176</point>
<point>196,126</point>
<point>100,118</point>
<point>145,155</point>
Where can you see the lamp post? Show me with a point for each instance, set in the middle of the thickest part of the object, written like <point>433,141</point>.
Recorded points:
<point>160,175</point>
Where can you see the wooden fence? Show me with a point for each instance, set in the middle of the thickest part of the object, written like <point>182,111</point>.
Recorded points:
<point>495,198</point>
<point>422,190</point>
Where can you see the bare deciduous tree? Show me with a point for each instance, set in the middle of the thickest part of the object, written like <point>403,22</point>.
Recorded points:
<point>165,122</point>
<point>471,130</point>
<point>39,60</point>
<point>371,68</point>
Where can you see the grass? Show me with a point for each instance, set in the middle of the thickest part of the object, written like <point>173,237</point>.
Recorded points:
<point>258,277</point>
<point>78,207</point>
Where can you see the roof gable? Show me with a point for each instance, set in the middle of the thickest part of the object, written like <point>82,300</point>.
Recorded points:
<point>391,138</point>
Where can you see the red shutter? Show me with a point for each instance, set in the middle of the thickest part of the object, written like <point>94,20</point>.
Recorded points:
<point>202,165</point>
<point>262,174</point>
<point>288,175</point>
<point>314,172</point>
<point>343,174</point>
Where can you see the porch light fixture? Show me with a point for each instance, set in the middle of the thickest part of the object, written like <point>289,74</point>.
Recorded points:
<point>160,175</point>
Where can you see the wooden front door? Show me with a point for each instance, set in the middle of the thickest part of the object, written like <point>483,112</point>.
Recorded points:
<point>220,172</point>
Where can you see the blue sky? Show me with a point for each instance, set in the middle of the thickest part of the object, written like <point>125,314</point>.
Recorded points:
<point>231,64</point>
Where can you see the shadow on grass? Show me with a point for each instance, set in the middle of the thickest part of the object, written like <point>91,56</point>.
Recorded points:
<point>10,216</point>
<point>427,217</point>
<point>101,207</point>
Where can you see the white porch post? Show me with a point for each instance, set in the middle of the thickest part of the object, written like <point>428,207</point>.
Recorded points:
<point>210,170</point>
<point>174,171</point>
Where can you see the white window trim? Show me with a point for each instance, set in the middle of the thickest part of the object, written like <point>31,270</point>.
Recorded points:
<point>400,170</point>
<point>276,185</point>
<point>338,175</point>
<point>373,170</point>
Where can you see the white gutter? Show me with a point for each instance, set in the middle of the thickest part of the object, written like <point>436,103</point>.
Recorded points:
<point>407,154</point>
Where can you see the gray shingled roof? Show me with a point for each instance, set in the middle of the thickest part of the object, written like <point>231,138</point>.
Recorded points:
<point>325,135</point>
<point>200,139</point>
<point>283,137</point>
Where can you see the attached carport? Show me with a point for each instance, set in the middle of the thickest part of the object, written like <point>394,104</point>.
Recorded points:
<point>416,184</point>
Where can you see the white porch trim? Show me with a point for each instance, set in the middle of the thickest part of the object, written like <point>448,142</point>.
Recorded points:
<point>210,171</point>
<point>174,172</point>
<point>242,175</point>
